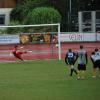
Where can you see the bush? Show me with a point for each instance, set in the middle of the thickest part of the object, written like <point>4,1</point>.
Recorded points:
<point>16,13</point>
<point>13,30</point>
<point>43,15</point>
<point>23,7</point>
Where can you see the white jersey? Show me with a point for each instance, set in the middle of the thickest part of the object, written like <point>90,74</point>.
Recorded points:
<point>96,56</point>
<point>82,57</point>
<point>97,53</point>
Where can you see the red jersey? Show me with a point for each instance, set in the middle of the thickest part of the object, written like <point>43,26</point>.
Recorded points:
<point>14,51</point>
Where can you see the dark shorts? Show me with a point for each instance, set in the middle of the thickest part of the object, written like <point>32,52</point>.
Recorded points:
<point>97,64</point>
<point>81,67</point>
<point>71,61</point>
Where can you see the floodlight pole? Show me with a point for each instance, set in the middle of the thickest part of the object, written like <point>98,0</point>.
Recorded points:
<point>70,12</point>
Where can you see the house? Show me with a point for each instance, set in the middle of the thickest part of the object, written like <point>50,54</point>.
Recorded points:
<point>5,9</point>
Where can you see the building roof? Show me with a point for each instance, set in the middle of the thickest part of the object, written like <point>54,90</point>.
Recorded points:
<point>7,3</point>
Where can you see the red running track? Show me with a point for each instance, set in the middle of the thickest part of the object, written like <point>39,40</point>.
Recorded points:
<point>45,51</point>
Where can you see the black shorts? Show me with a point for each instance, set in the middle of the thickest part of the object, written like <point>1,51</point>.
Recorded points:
<point>71,62</point>
<point>96,64</point>
<point>81,67</point>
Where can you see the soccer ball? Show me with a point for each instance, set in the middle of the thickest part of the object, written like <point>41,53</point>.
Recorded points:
<point>56,45</point>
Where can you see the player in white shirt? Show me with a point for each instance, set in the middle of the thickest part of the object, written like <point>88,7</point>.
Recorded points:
<point>82,62</point>
<point>95,58</point>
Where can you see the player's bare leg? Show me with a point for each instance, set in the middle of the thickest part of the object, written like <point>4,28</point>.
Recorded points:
<point>99,71</point>
<point>94,73</point>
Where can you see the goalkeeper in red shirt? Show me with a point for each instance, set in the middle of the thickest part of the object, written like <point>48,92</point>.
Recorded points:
<point>17,52</point>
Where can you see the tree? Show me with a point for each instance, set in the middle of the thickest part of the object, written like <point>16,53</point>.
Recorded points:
<point>43,15</point>
<point>14,30</point>
<point>24,6</point>
<point>89,5</point>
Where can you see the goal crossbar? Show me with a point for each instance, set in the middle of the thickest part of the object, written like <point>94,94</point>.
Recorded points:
<point>9,26</point>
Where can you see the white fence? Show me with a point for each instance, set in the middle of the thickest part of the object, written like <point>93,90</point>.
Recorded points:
<point>74,37</point>
<point>9,39</point>
<point>64,37</point>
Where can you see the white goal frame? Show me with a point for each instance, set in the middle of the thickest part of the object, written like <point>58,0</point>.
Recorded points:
<point>56,24</point>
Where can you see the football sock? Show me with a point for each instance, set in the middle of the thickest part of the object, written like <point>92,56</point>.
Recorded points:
<point>75,71</point>
<point>71,72</point>
<point>78,74</point>
<point>83,74</point>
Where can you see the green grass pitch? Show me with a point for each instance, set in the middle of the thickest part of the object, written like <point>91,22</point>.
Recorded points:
<point>45,80</point>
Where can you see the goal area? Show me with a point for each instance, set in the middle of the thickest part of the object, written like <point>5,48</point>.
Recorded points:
<point>43,40</point>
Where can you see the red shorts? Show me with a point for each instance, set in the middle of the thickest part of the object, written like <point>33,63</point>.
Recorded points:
<point>18,55</point>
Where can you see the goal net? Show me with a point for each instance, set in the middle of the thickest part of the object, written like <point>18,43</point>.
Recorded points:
<point>41,40</point>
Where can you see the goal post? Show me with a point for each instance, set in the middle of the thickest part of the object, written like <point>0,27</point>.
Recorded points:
<point>52,29</point>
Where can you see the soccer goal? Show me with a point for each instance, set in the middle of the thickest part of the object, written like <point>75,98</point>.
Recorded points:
<point>42,40</point>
